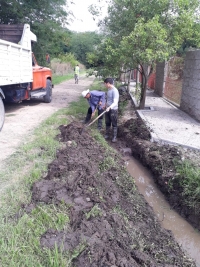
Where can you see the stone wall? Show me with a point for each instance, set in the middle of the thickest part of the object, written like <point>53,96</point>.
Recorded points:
<point>190,99</point>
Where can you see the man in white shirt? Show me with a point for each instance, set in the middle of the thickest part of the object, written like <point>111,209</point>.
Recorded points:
<point>111,116</point>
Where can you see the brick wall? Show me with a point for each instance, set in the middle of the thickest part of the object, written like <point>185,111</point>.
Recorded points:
<point>151,81</point>
<point>173,90</point>
<point>190,100</point>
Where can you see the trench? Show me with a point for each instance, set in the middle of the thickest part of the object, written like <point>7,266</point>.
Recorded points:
<point>186,236</point>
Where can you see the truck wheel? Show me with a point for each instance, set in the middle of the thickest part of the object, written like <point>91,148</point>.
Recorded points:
<point>48,96</point>
<point>2,113</point>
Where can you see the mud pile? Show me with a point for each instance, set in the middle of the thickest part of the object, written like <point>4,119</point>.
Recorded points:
<point>109,219</point>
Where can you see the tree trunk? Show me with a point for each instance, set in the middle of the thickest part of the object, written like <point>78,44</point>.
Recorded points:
<point>143,90</point>
<point>143,97</point>
<point>129,80</point>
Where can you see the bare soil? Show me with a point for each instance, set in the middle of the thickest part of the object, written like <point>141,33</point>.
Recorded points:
<point>108,216</point>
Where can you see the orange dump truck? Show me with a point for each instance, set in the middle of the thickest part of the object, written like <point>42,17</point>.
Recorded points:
<point>21,78</point>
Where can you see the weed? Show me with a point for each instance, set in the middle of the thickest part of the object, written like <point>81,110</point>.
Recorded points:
<point>122,106</point>
<point>77,251</point>
<point>107,163</point>
<point>94,212</point>
<point>189,179</point>
<point>56,257</point>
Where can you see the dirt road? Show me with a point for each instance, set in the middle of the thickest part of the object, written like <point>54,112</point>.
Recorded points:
<point>21,119</point>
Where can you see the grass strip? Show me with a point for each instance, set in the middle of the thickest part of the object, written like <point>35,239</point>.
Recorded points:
<point>58,79</point>
<point>20,232</point>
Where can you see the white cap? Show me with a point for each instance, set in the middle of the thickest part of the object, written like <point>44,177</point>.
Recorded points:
<point>84,93</point>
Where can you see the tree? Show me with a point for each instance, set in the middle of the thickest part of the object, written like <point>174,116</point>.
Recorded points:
<point>83,43</point>
<point>147,32</point>
<point>46,19</point>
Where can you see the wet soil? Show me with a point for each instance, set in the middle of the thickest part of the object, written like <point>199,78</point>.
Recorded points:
<point>110,222</point>
<point>158,158</point>
<point>161,161</point>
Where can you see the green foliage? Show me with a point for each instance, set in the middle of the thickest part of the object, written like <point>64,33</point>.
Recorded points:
<point>45,18</point>
<point>141,33</point>
<point>68,58</point>
<point>50,39</point>
<point>189,178</point>
<point>28,11</point>
<point>83,43</point>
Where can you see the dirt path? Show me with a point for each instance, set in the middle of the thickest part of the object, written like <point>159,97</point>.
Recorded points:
<point>21,119</point>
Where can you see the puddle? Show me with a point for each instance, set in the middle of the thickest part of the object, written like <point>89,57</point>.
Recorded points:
<point>184,233</point>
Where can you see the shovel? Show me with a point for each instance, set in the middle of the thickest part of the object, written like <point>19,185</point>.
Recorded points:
<point>92,121</point>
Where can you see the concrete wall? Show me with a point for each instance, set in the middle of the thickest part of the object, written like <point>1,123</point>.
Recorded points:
<point>160,78</point>
<point>190,99</point>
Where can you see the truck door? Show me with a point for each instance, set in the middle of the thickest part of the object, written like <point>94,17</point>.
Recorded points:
<point>39,81</point>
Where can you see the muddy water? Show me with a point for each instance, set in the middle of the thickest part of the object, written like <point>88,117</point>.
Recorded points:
<point>183,232</point>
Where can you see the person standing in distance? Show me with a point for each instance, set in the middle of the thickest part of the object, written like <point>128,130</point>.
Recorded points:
<point>76,73</point>
<point>48,59</point>
<point>111,116</point>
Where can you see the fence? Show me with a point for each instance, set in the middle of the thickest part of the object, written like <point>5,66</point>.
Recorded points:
<point>173,80</point>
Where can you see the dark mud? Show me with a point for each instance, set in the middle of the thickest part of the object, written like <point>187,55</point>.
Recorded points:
<point>161,161</point>
<point>110,222</point>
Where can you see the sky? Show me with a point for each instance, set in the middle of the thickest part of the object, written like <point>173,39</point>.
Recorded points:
<point>83,20</point>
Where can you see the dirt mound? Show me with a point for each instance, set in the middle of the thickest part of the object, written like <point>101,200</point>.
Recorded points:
<point>136,128</point>
<point>110,222</point>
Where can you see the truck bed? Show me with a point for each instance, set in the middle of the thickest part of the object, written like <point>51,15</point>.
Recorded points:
<point>11,33</point>
<point>15,59</point>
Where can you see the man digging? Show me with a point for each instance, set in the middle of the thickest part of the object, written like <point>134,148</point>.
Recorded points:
<point>96,100</point>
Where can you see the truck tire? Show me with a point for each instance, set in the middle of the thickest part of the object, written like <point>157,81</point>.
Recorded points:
<point>48,96</point>
<point>2,113</point>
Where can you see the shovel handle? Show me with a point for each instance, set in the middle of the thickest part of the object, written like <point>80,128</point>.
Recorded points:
<point>96,118</point>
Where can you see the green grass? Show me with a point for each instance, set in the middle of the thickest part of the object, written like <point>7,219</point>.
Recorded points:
<point>78,108</point>
<point>58,79</point>
<point>21,246</point>
<point>189,178</point>
<point>20,238</point>
<point>20,235</point>
<point>98,85</point>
